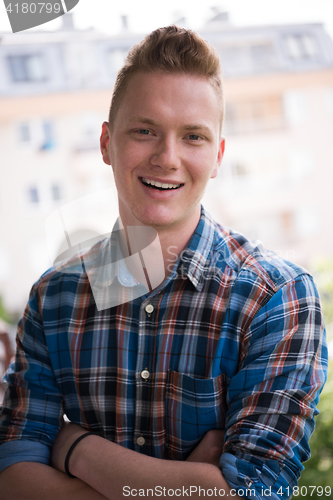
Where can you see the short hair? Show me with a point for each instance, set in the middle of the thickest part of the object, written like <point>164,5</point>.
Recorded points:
<point>170,50</point>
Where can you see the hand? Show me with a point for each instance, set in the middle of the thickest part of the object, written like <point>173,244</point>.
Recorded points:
<point>210,448</point>
<point>64,440</point>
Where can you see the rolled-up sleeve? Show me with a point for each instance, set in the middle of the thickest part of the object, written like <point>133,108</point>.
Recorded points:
<point>32,409</point>
<point>12,452</point>
<point>273,398</point>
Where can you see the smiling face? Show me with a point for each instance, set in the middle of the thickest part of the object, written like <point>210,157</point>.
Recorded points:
<point>164,146</point>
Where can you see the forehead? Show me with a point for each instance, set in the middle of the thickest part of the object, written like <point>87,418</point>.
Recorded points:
<point>171,96</point>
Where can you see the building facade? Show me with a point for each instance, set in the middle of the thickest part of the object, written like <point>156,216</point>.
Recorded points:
<point>56,193</point>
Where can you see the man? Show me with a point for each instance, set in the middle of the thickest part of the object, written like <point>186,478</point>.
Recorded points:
<point>209,379</point>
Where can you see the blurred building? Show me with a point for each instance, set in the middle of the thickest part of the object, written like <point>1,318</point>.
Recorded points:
<point>55,89</point>
<point>277,175</point>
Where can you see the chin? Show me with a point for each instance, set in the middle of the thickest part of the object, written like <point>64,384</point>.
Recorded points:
<point>153,218</point>
<point>157,222</point>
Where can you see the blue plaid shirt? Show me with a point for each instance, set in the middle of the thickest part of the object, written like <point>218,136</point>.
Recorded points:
<point>233,339</point>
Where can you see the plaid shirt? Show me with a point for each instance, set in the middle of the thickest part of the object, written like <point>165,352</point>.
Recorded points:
<point>233,339</point>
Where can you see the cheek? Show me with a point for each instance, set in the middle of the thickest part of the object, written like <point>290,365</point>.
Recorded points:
<point>203,166</point>
<point>130,155</point>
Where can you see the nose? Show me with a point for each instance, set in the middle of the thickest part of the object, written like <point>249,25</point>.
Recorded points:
<point>166,154</point>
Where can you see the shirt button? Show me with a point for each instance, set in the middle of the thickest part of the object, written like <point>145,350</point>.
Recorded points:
<point>149,308</point>
<point>145,374</point>
<point>141,441</point>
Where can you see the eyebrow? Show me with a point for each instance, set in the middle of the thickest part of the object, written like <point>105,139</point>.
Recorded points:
<point>148,121</point>
<point>143,120</point>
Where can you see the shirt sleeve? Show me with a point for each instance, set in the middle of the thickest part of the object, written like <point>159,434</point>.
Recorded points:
<point>32,409</point>
<point>12,452</point>
<point>272,399</point>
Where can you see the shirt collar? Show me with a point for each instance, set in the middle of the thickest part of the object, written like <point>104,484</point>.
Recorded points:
<point>107,263</point>
<point>193,261</point>
<point>125,278</point>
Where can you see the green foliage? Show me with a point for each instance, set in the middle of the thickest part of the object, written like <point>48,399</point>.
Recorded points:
<point>323,274</point>
<point>3,313</point>
<point>319,469</point>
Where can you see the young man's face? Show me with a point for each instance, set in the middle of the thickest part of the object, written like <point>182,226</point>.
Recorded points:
<point>166,131</point>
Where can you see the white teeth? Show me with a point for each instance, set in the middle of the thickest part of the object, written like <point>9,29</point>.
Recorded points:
<point>160,185</point>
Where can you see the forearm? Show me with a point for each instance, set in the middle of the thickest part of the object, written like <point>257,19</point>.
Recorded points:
<point>109,468</point>
<point>35,481</point>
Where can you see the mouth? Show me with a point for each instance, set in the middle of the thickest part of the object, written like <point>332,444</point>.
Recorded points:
<point>160,185</point>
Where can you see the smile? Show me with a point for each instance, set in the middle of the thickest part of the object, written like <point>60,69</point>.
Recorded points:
<point>159,185</point>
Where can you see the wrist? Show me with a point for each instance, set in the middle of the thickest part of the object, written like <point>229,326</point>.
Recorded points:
<point>74,452</point>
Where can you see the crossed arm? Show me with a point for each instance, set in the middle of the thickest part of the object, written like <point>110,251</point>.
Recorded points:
<point>103,469</point>
<point>273,400</point>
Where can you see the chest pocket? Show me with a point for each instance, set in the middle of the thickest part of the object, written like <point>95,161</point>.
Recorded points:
<point>193,407</point>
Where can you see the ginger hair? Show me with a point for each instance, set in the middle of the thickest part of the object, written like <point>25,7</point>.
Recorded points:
<point>170,50</point>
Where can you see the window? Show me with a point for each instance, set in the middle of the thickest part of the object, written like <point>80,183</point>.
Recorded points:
<point>48,135</point>
<point>257,114</point>
<point>27,68</point>
<point>24,132</point>
<point>33,195</point>
<point>56,192</point>
<point>37,134</point>
<point>245,58</point>
<point>301,46</point>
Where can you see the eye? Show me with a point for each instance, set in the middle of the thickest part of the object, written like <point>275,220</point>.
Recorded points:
<point>194,137</point>
<point>144,131</point>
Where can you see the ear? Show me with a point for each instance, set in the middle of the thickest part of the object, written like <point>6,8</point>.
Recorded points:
<point>104,143</point>
<point>220,154</point>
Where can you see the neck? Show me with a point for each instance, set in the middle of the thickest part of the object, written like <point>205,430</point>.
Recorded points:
<point>158,248</point>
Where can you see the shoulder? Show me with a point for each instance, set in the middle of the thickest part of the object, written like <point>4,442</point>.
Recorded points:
<point>252,265</point>
<point>69,274</point>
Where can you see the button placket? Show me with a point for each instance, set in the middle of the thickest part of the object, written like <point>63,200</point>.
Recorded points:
<point>143,377</point>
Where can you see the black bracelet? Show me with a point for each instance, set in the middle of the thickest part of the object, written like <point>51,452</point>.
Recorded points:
<point>70,451</point>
